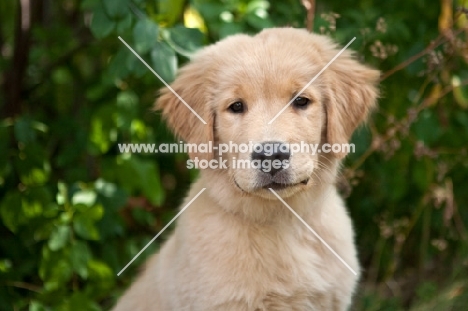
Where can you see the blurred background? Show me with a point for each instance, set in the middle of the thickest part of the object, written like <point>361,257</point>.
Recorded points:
<point>74,210</point>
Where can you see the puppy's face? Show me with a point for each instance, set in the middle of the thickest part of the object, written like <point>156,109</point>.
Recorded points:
<point>247,98</point>
<point>242,87</point>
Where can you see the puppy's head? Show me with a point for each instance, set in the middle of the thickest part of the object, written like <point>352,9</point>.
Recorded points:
<point>241,88</point>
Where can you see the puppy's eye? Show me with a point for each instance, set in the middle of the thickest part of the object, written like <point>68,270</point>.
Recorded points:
<point>237,107</point>
<point>301,102</point>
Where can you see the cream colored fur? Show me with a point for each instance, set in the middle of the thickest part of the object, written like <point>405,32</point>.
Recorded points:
<point>237,247</point>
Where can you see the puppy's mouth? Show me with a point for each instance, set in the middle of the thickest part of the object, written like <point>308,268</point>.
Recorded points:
<point>277,185</point>
<point>281,186</point>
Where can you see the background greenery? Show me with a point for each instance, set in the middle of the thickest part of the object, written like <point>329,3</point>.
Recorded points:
<point>74,211</point>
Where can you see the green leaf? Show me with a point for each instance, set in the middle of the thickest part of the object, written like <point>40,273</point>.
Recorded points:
<point>139,130</point>
<point>143,217</point>
<point>61,76</point>
<point>84,223</point>
<point>229,29</point>
<point>85,228</point>
<point>184,41</point>
<point>95,213</point>
<point>80,255</point>
<point>5,142</point>
<point>101,278</point>
<point>103,129</point>
<point>164,61</point>
<point>37,176</point>
<point>33,165</point>
<point>127,101</point>
<point>99,140</point>
<point>259,19</point>
<point>111,196</point>
<point>427,128</point>
<point>115,70</point>
<point>89,4</point>
<point>101,25</point>
<point>149,180</point>
<point>117,9</point>
<point>36,200</point>
<point>85,197</point>
<point>37,306</point>
<point>136,66</point>
<point>24,131</point>
<point>11,211</point>
<point>255,5</point>
<point>98,270</point>
<point>124,24</point>
<point>55,268</point>
<point>170,10</point>
<point>145,34</point>
<point>137,176</point>
<point>59,237</point>
<point>62,194</point>
<point>423,173</point>
<point>210,10</point>
<point>79,301</point>
<point>31,208</point>
<point>5,265</point>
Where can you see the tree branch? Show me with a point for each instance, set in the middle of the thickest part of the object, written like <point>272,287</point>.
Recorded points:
<point>310,8</point>
<point>441,39</point>
<point>14,76</point>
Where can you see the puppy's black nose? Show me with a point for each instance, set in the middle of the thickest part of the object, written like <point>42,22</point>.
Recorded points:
<point>269,151</point>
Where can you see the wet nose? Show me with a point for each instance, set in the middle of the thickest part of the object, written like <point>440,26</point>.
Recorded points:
<point>269,151</point>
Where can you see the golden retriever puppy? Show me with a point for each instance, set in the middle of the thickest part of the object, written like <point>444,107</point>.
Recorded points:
<point>238,247</point>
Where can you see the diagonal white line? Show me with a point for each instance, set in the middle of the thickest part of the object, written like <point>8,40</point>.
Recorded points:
<point>169,223</point>
<point>313,231</point>
<point>159,77</point>
<point>313,79</point>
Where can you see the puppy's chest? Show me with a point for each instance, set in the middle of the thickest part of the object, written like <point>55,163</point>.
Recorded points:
<point>286,272</point>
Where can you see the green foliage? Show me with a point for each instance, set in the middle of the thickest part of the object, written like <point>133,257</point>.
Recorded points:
<point>74,209</point>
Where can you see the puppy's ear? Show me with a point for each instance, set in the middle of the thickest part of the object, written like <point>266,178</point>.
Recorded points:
<point>191,85</point>
<point>351,94</point>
